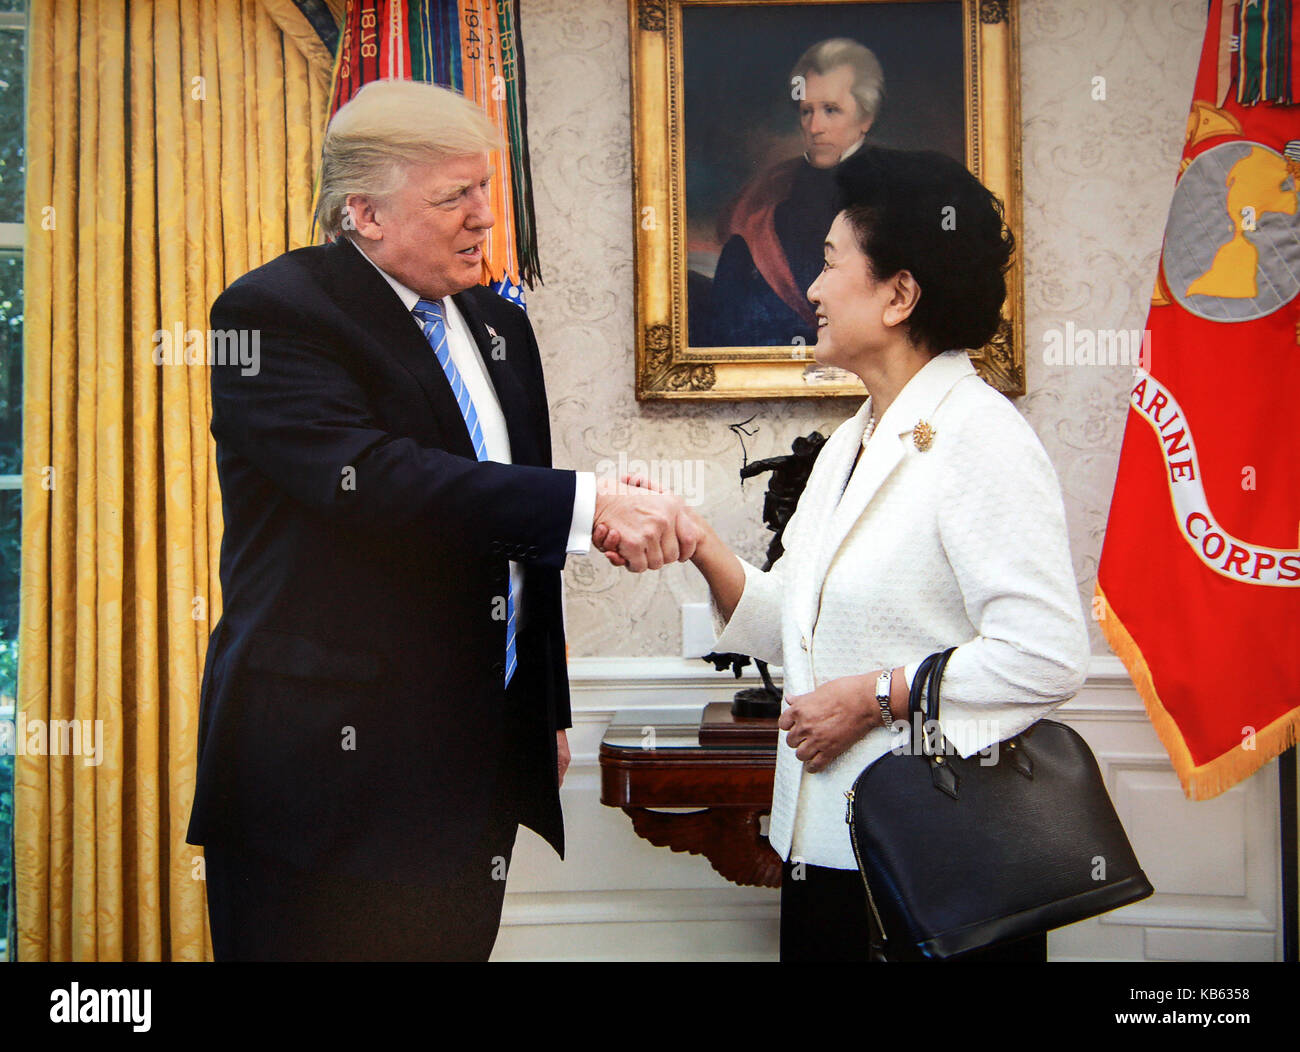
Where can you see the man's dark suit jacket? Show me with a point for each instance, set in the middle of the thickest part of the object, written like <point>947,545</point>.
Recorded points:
<point>354,716</point>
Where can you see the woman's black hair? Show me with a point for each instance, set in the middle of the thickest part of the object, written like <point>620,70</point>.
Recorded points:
<point>923,212</point>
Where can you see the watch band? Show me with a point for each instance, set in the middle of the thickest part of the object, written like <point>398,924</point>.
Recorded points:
<point>882,698</point>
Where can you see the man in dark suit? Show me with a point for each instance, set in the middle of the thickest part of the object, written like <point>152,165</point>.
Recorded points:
<point>385,696</point>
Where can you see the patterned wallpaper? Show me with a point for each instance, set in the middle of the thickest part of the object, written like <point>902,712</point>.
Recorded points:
<point>1098,177</point>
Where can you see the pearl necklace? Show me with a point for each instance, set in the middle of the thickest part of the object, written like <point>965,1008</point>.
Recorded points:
<point>870,429</point>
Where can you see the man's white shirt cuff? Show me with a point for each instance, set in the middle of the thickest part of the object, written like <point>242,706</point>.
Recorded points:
<point>584,513</point>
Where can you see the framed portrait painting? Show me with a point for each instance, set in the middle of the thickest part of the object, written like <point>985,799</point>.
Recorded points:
<point>742,110</point>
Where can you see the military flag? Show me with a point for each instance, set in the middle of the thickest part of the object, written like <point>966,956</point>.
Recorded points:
<point>1198,590</point>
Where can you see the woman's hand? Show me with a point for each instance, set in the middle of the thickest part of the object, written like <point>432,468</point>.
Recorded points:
<point>654,523</point>
<point>607,539</point>
<point>717,562</point>
<point>827,721</point>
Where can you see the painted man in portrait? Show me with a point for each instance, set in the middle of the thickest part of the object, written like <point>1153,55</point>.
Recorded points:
<point>772,232</point>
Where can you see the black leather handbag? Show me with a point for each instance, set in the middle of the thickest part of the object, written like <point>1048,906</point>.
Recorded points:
<point>960,854</point>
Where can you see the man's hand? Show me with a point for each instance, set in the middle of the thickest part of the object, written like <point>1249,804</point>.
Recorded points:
<point>562,755</point>
<point>642,528</point>
<point>827,721</point>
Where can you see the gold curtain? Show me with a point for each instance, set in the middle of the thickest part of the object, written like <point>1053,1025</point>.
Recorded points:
<point>172,146</point>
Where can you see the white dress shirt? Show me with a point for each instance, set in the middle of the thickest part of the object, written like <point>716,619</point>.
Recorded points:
<point>492,421</point>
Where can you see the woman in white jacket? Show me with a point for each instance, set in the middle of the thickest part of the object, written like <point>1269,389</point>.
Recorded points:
<point>932,518</point>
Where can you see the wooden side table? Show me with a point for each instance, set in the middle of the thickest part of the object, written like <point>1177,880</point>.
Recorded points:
<point>720,765</point>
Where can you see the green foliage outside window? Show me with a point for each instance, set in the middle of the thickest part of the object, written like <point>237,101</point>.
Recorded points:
<point>12,116</point>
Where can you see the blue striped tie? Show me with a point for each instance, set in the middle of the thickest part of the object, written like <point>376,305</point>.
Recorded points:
<point>429,315</point>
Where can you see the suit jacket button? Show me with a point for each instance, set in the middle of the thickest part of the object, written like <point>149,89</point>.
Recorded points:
<point>532,551</point>
<point>496,547</point>
<point>803,642</point>
<point>498,668</point>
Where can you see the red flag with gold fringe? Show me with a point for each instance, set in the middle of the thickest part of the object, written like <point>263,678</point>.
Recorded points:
<point>1198,590</point>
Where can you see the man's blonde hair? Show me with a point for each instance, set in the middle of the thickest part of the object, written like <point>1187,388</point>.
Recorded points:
<point>386,126</point>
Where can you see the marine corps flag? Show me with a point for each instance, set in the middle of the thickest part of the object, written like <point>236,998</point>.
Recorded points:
<point>1198,590</point>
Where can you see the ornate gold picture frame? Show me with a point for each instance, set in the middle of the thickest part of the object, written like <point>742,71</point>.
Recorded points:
<point>707,126</point>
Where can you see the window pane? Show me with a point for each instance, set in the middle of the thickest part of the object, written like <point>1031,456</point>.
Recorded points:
<point>6,845</point>
<point>11,362</point>
<point>12,45</point>
<point>12,79</point>
<point>10,537</point>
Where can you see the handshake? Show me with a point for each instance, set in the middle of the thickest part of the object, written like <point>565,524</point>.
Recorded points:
<point>642,527</point>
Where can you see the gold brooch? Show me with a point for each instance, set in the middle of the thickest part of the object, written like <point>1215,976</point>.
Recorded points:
<point>922,435</point>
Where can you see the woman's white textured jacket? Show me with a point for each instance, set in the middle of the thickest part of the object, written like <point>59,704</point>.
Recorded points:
<point>962,544</point>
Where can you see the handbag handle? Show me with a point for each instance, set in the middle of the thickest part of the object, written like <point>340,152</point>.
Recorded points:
<point>926,683</point>
<point>923,697</point>
<point>916,703</point>
<point>930,673</point>
<point>932,688</point>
